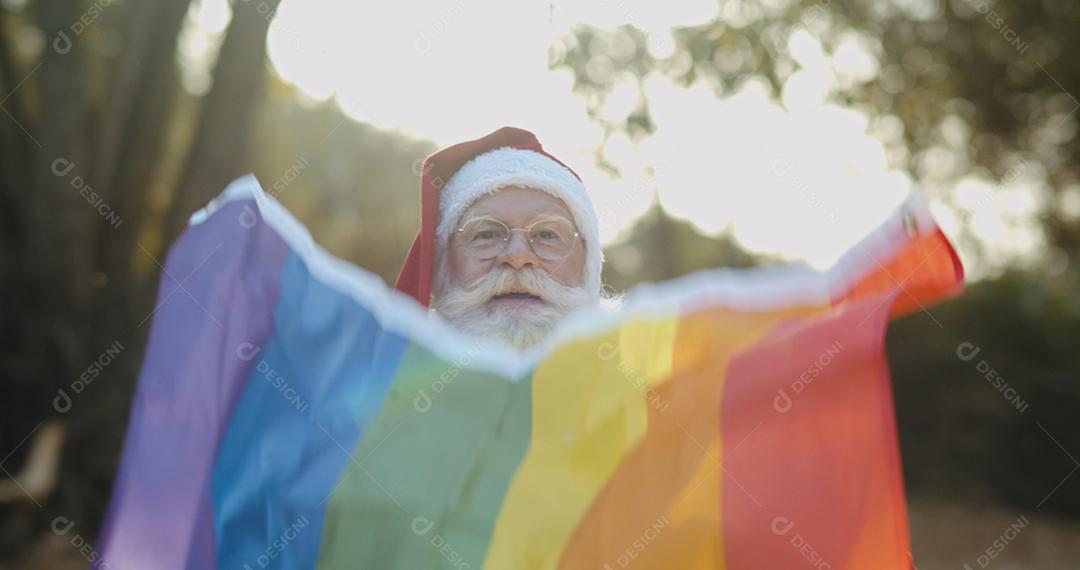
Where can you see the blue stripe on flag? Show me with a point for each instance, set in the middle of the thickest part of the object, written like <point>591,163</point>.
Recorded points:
<point>315,385</point>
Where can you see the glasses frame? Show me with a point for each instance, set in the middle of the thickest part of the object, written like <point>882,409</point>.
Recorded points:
<point>528,240</point>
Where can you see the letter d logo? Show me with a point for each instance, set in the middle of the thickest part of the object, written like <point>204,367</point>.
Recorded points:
<point>781,525</point>
<point>966,351</point>
<point>782,402</point>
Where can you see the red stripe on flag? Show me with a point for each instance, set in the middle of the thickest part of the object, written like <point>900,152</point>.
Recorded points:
<point>925,270</point>
<point>812,473</point>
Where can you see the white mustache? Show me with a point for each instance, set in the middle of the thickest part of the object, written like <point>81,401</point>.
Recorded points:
<point>526,280</point>
<point>521,324</point>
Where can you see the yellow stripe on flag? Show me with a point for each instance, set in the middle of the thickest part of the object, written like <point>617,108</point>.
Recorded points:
<point>589,410</point>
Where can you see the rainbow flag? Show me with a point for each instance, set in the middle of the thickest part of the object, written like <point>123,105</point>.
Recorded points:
<point>294,412</point>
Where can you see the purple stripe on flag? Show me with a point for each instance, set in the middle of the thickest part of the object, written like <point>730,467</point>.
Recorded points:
<point>217,294</point>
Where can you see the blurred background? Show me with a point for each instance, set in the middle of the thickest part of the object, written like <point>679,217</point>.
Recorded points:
<point>709,132</point>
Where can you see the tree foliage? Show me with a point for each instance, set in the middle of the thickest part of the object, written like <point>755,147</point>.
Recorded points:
<point>978,87</point>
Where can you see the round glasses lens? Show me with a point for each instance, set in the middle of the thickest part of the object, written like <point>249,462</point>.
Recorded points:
<point>552,240</point>
<point>484,238</point>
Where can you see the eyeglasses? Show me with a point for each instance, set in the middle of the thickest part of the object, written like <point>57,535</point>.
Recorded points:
<point>551,239</point>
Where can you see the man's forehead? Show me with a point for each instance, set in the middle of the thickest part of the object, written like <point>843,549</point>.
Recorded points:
<point>518,205</point>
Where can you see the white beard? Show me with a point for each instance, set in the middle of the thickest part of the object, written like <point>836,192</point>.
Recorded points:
<point>522,324</point>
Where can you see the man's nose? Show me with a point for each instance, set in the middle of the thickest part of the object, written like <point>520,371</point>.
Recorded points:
<point>518,254</point>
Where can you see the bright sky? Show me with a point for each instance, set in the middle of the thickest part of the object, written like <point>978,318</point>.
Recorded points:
<point>799,177</point>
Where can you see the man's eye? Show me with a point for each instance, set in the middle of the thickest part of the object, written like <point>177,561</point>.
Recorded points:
<point>545,235</point>
<point>485,235</point>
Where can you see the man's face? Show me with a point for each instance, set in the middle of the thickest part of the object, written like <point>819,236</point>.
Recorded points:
<point>519,293</point>
<point>517,208</point>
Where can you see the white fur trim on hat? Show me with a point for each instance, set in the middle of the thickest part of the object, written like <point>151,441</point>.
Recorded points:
<point>508,166</point>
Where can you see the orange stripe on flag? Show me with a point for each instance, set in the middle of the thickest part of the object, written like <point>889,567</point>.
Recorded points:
<point>924,270</point>
<point>659,508</point>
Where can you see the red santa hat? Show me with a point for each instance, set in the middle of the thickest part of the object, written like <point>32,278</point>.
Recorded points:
<point>455,177</point>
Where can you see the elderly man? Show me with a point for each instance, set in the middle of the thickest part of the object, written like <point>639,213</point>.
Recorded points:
<point>508,243</point>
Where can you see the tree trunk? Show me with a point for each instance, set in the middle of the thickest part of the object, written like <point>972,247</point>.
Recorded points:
<point>220,151</point>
